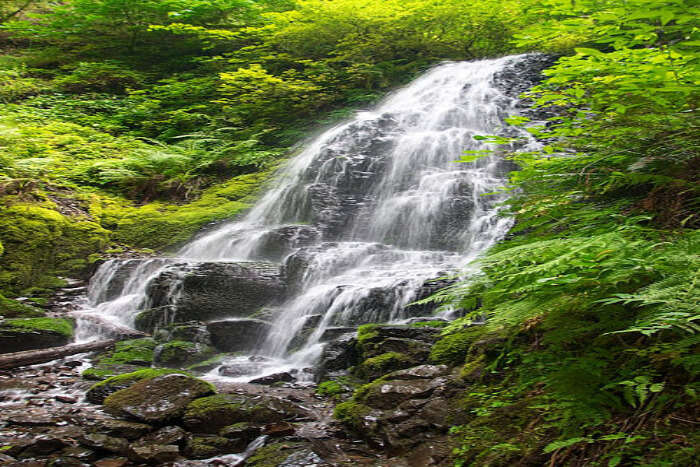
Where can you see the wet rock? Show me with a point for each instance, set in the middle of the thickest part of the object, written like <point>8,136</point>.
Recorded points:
<point>237,335</point>
<point>283,377</point>
<point>112,462</point>
<point>239,369</point>
<point>420,372</point>
<point>179,354</point>
<point>42,445</point>
<point>154,454</point>
<point>211,414</point>
<point>333,333</point>
<point>339,354</point>
<point>157,400</point>
<point>388,394</point>
<point>195,331</point>
<point>81,453</point>
<point>121,428</point>
<point>105,443</point>
<point>242,430</point>
<point>305,458</point>
<point>5,459</point>
<point>165,436</point>
<point>216,290</point>
<point>204,447</point>
<point>277,243</point>
<point>278,430</point>
<point>66,399</point>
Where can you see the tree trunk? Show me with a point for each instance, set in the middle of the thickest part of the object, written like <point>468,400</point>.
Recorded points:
<point>33,357</point>
<point>109,329</point>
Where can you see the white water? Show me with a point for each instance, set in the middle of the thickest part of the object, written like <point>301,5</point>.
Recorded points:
<point>385,190</point>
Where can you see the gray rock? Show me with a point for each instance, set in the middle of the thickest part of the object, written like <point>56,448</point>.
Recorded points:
<point>154,454</point>
<point>238,335</point>
<point>105,443</point>
<point>305,458</point>
<point>283,377</point>
<point>241,430</point>
<point>211,414</point>
<point>121,428</point>
<point>165,436</point>
<point>215,290</point>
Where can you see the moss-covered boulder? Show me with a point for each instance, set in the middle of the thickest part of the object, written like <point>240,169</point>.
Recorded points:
<point>126,357</point>
<point>238,335</point>
<point>211,414</point>
<point>380,365</point>
<point>99,391</point>
<point>157,400</point>
<point>34,333</point>
<point>182,353</point>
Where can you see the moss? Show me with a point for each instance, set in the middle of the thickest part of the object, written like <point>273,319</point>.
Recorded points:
<point>182,353</point>
<point>158,225</point>
<point>272,455</point>
<point>330,388</point>
<point>14,309</point>
<point>208,364</point>
<point>351,414</point>
<point>381,364</point>
<point>133,352</point>
<point>452,349</point>
<point>42,243</point>
<point>60,326</point>
<point>128,379</point>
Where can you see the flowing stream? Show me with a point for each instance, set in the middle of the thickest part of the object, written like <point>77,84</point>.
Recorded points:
<point>362,219</point>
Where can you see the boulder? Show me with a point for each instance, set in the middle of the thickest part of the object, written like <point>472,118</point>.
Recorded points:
<point>105,443</point>
<point>238,335</point>
<point>17,335</point>
<point>339,354</point>
<point>206,446</point>
<point>208,291</point>
<point>165,436</point>
<point>241,430</point>
<point>283,377</point>
<point>157,400</point>
<point>99,391</point>
<point>179,354</point>
<point>277,243</point>
<point>211,414</point>
<point>121,428</point>
<point>154,454</point>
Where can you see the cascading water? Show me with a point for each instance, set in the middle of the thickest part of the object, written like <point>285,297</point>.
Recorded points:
<point>363,218</point>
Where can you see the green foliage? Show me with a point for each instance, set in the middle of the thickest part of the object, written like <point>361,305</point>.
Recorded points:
<point>14,309</point>
<point>105,76</point>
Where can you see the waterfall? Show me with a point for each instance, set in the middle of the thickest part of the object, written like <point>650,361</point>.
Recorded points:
<point>364,217</point>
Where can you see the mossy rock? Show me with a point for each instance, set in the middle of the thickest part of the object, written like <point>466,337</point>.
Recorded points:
<point>211,414</point>
<point>380,365</point>
<point>182,353</point>
<point>273,455</point>
<point>131,352</point>
<point>99,391</point>
<point>14,309</point>
<point>34,333</point>
<point>204,447</point>
<point>41,243</point>
<point>352,414</point>
<point>158,400</point>
<point>452,349</point>
<point>209,364</point>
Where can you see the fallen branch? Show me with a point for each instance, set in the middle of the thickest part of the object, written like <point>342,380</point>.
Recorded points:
<point>109,329</point>
<point>33,357</point>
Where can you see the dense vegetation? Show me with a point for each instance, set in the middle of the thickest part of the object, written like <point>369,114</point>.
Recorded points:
<point>126,126</point>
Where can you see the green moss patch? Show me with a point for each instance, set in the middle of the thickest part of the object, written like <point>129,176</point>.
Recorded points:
<point>14,309</point>
<point>377,366</point>
<point>60,326</point>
